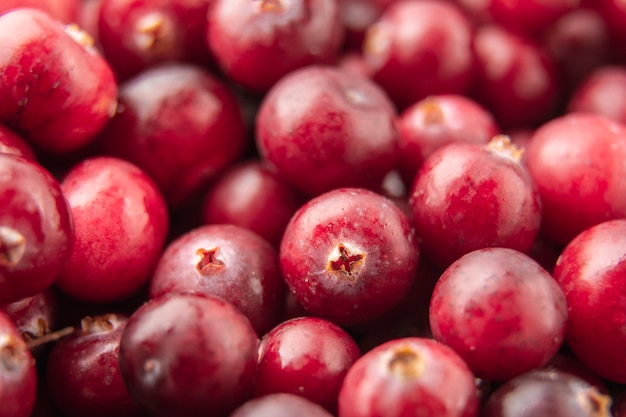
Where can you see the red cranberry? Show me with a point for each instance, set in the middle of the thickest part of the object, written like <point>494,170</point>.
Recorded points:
<point>358,15</point>
<point>500,311</point>
<point>349,255</point>
<point>34,316</point>
<point>603,92</point>
<point>517,82</point>
<point>419,48</point>
<point>18,377</point>
<point>590,271</point>
<point>467,197</point>
<point>82,371</point>
<point>409,376</point>
<point>12,143</point>
<point>179,124</point>
<point>58,101</point>
<point>137,34</point>
<point>305,356</point>
<point>547,393</point>
<point>437,121</point>
<point>251,195</point>
<point>120,223</point>
<point>189,354</point>
<point>280,405</point>
<point>576,161</point>
<point>258,42</point>
<point>227,261</point>
<point>36,229</point>
<point>322,128</point>
<point>63,10</point>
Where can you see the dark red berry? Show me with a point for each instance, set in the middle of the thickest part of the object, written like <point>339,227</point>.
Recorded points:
<point>280,405</point>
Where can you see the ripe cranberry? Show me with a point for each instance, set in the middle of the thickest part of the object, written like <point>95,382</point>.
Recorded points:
<point>34,316</point>
<point>409,376</point>
<point>419,48</point>
<point>82,372</point>
<point>357,16</point>
<point>258,42</point>
<point>179,124</point>
<point>467,197</point>
<point>12,143</point>
<point>18,377</point>
<point>280,405</point>
<point>226,261</point>
<point>58,101</point>
<point>603,92</point>
<point>63,10</point>
<point>517,82</point>
<point>120,223</point>
<point>576,160</point>
<point>305,356</point>
<point>349,255</point>
<point>189,354</point>
<point>547,393</point>
<point>322,129</point>
<point>500,311</point>
<point>590,271</point>
<point>253,196</point>
<point>36,230</point>
<point>565,361</point>
<point>137,34</point>
<point>437,121</point>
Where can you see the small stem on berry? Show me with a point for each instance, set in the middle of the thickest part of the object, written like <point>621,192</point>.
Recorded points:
<point>502,145</point>
<point>50,337</point>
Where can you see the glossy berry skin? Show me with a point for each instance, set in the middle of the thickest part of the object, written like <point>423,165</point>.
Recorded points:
<point>36,228</point>
<point>349,255</point>
<point>591,271</point>
<point>305,356</point>
<point>280,405</point>
<point>34,316</point>
<point>82,373</point>
<point>12,143</point>
<point>500,311</point>
<point>120,223</point>
<point>322,129</point>
<point>412,64</point>
<point>603,93</point>
<point>408,376</point>
<point>179,124</point>
<point>467,197</point>
<point>189,354</point>
<point>439,120</point>
<point>256,43</point>
<point>18,377</point>
<point>576,160</point>
<point>226,261</point>
<point>251,195</point>
<point>547,393</point>
<point>58,102</point>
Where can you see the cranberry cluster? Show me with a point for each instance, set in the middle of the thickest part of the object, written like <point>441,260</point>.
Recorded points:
<point>349,208</point>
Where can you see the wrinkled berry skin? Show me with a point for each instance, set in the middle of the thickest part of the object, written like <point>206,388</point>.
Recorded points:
<point>57,101</point>
<point>592,272</point>
<point>349,255</point>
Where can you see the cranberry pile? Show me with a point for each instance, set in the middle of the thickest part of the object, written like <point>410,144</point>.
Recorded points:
<point>314,208</point>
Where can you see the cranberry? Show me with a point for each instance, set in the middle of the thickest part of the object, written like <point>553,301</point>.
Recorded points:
<point>409,376</point>
<point>590,271</point>
<point>11,142</point>
<point>137,34</point>
<point>120,223</point>
<point>419,48</point>
<point>349,255</point>
<point>467,197</point>
<point>437,121</point>
<point>189,354</point>
<point>305,356</point>
<point>500,311</point>
<point>357,16</point>
<point>253,196</point>
<point>517,81</point>
<point>258,42</point>
<point>280,405</point>
<point>179,124</point>
<point>322,129</point>
<point>18,377</point>
<point>576,160</point>
<point>58,101</point>
<point>603,92</point>
<point>547,393</point>
<point>36,229</point>
<point>227,261</point>
<point>82,371</point>
<point>63,10</point>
